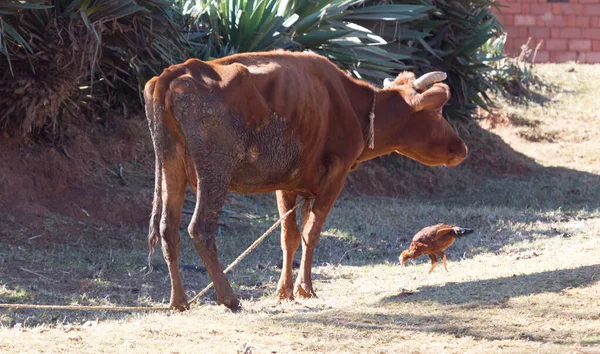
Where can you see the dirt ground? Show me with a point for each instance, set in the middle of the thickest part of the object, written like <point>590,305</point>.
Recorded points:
<point>73,223</point>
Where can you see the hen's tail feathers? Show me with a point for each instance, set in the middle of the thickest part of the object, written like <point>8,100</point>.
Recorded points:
<point>460,232</point>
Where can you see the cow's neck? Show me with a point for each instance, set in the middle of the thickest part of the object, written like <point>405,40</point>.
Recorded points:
<point>386,123</point>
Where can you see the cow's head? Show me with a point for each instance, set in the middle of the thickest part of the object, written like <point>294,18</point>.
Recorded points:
<point>424,134</point>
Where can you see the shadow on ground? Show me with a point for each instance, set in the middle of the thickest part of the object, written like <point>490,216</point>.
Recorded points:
<point>455,318</point>
<point>479,292</point>
<point>87,257</point>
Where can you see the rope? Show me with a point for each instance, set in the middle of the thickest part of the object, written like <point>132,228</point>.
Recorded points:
<point>248,250</point>
<point>140,308</point>
<point>84,308</point>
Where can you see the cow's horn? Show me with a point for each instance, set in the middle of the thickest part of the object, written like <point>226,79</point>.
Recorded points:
<point>428,79</point>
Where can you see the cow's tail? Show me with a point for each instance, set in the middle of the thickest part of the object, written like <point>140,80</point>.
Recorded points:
<point>154,96</point>
<point>154,115</point>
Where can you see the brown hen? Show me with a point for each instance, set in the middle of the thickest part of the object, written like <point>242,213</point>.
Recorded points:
<point>433,240</point>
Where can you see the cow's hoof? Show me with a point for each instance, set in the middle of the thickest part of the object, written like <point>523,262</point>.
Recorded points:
<point>305,291</point>
<point>231,302</point>
<point>179,305</point>
<point>285,294</point>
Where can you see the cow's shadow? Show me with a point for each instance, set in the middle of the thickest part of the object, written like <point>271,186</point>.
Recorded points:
<point>471,294</point>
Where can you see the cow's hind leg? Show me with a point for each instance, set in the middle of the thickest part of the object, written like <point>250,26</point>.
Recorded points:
<point>290,240</point>
<point>313,220</point>
<point>211,190</point>
<point>173,193</point>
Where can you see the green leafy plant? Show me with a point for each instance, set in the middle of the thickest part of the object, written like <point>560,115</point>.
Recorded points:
<point>324,26</point>
<point>371,39</point>
<point>72,58</point>
<point>448,39</point>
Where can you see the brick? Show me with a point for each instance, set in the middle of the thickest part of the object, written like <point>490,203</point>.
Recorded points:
<point>581,45</point>
<point>554,33</point>
<point>544,18</point>
<point>557,9</point>
<point>524,20</point>
<point>539,21</point>
<point>592,57</point>
<point>569,32</point>
<point>540,9</point>
<point>571,9</point>
<point>596,45</point>
<point>555,20</point>
<point>595,21</point>
<point>525,8</point>
<point>511,32</point>
<point>508,20</point>
<point>556,44</point>
<point>523,31</point>
<point>542,56</point>
<point>578,21</point>
<point>539,32</point>
<point>584,21</point>
<point>572,20</point>
<point>592,9</point>
<point>561,57</point>
<point>512,8</point>
<point>591,33</point>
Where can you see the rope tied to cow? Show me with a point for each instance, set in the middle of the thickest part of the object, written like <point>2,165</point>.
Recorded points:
<point>142,308</point>
<point>248,250</point>
<point>83,307</point>
<point>371,137</point>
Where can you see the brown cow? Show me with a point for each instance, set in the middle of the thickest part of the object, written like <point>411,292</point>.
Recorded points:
<point>277,121</point>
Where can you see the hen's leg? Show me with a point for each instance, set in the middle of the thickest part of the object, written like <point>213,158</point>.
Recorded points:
<point>434,262</point>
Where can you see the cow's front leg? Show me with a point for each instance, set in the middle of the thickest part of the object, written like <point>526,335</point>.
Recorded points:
<point>313,220</point>
<point>290,240</point>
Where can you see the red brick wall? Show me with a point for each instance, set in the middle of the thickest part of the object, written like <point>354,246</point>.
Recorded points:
<point>570,31</point>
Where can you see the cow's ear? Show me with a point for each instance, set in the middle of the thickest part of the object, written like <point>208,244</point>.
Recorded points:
<point>433,99</point>
<point>388,82</point>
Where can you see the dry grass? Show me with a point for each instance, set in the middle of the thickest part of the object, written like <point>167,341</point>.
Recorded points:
<point>527,281</point>
<point>564,123</point>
